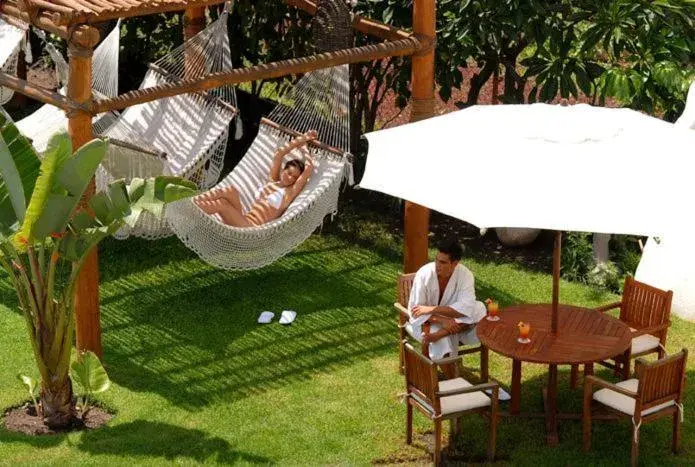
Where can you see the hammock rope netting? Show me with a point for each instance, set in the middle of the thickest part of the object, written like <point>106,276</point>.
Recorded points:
<point>320,100</point>
<point>12,39</point>
<point>184,135</point>
<point>187,135</point>
<point>48,119</point>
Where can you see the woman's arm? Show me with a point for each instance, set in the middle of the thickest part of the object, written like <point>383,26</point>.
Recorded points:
<point>301,180</point>
<point>286,149</point>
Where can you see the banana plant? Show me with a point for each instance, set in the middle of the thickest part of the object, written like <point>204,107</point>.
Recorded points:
<point>46,233</point>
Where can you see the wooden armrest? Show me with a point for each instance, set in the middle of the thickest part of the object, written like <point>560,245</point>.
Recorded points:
<point>609,307</point>
<point>401,308</point>
<point>469,389</point>
<point>651,329</point>
<point>590,379</point>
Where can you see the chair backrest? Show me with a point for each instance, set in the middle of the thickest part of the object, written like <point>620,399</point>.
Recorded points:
<point>662,380</point>
<point>645,305</point>
<point>405,284</point>
<point>421,377</point>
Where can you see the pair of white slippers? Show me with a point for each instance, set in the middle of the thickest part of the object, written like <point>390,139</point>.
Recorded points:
<point>286,317</point>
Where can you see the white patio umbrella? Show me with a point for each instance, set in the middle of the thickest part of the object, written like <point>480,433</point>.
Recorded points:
<point>579,168</point>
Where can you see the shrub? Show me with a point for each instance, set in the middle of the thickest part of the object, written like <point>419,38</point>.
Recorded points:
<point>577,256</point>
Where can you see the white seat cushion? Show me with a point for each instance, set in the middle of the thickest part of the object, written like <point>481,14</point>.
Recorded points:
<point>623,403</point>
<point>644,342</point>
<point>461,402</point>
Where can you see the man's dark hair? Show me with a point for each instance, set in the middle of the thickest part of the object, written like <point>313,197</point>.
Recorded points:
<point>296,163</point>
<point>451,247</point>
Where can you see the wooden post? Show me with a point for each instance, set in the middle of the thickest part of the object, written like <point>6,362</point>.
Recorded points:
<point>87,326</point>
<point>20,100</point>
<point>417,218</point>
<point>556,281</point>
<point>193,23</point>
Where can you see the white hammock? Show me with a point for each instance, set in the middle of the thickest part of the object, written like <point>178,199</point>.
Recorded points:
<point>184,135</point>
<point>48,119</point>
<point>318,101</point>
<point>11,38</point>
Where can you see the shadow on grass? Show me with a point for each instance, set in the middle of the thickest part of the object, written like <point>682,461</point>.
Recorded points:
<point>161,440</point>
<point>189,333</point>
<point>521,440</point>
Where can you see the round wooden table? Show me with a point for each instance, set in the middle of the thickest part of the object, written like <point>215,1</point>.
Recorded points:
<point>584,336</point>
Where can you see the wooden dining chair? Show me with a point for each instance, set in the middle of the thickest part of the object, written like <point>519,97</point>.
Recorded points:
<point>448,399</point>
<point>647,310</point>
<point>405,284</point>
<point>657,392</point>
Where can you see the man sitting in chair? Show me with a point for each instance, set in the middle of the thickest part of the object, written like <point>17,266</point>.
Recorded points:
<point>443,309</point>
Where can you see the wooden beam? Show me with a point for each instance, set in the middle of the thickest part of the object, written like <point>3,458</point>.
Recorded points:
<point>417,218</point>
<point>271,70</point>
<point>295,133</point>
<point>87,325</point>
<point>81,35</point>
<point>40,94</point>
<point>359,23</point>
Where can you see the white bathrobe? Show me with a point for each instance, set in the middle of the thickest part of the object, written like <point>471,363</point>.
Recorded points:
<point>459,295</point>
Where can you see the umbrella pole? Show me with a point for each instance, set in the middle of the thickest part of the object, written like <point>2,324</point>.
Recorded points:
<point>556,280</point>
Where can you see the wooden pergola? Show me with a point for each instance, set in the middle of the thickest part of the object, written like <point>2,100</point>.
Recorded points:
<point>75,20</point>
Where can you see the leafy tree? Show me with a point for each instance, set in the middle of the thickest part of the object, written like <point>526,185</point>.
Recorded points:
<point>45,238</point>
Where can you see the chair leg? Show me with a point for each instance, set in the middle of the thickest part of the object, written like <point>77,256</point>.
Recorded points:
<point>492,441</point>
<point>635,447</point>
<point>626,365</point>
<point>574,376</point>
<point>437,442</point>
<point>586,418</point>
<point>408,423</point>
<point>484,364</point>
<point>401,357</point>
<point>661,353</point>
<point>676,437</point>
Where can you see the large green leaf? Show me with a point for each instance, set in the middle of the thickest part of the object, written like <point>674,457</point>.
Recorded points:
<point>58,151</point>
<point>62,183</point>
<point>19,169</point>
<point>76,173</point>
<point>152,194</point>
<point>89,373</point>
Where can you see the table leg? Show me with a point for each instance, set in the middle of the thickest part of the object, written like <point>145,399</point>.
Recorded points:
<point>515,404</point>
<point>550,403</point>
<point>588,369</point>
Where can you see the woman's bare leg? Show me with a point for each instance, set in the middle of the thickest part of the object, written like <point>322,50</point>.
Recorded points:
<point>229,193</point>
<point>230,215</point>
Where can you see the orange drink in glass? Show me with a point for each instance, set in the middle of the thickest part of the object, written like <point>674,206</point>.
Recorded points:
<point>493,308</point>
<point>524,331</point>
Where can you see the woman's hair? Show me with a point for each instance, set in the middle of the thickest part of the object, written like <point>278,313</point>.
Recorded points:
<point>451,247</point>
<point>295,163</point>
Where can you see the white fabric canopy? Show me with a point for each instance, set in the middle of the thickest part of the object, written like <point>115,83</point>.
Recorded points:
<point>578,168</point>
<point>670,265</point>
<point>687,118</point>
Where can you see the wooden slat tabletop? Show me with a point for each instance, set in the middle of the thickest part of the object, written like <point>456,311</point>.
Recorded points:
<point>583,336</point>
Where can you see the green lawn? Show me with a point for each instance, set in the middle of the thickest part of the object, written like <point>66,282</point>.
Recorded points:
<point>196,380</point>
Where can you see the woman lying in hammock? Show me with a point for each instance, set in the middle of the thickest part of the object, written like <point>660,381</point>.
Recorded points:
<point>272,198</point>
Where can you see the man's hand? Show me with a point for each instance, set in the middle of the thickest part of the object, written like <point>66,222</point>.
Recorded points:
<point>420,310</point>
<point>452,327</point>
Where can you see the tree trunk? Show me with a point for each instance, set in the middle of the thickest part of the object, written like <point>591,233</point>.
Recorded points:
<point>601,251</point>
<point>57,403</point>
